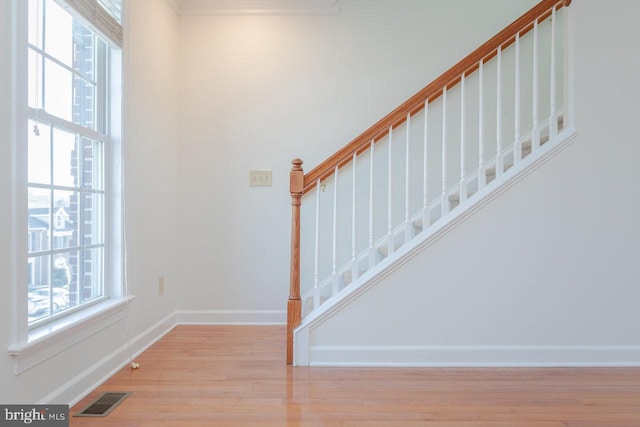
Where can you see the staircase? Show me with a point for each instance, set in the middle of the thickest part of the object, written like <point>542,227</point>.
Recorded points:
<point>444,153</point>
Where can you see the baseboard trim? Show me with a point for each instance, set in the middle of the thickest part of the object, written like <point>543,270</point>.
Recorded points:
<point>357,356</point>
<point>80,386</point>
<point>231,317</point>
<point>475,356</point>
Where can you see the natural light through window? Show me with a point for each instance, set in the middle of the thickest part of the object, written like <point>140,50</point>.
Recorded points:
<point>68,174</point>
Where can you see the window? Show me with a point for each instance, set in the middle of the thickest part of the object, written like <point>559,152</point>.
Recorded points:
<point>72,151</point>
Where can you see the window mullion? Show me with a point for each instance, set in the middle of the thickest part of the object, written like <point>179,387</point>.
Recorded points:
<point>43,80</point>
<point>101,99</point>
<point>43,116</point>
<point>51,192</point>
<point>80,222</point>
<point>51,58</point>
<point>63,250</point>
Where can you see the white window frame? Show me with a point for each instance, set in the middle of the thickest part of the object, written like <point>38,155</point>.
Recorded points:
<point>31,346</point>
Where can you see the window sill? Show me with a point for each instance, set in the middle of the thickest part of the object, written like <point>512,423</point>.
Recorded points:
<point>52,338</point>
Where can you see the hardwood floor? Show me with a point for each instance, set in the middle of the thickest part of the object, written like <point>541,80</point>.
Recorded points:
<point>236,376</point>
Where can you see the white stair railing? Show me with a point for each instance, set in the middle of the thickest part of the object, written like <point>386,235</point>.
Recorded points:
<point>378,193</point>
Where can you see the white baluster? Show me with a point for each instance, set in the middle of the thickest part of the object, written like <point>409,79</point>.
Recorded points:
<point>316,274</point>
<point>372,249</point>
<point>354,223</point>
<point>482,176</point>
<point>426,217</point>
<point>463,172</point>
<point>444,197</point>
<point>390,237</point>
<point>535,143</point>
<point>517,143</point>
<point>499,154</point>
<point>407,213</point>
<point>553,119</point>
<point>335,233</point>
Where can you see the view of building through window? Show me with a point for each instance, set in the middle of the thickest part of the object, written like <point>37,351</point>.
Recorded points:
<point>68,66</point>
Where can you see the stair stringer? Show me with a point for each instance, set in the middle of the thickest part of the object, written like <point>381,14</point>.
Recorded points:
<point>424,240</point>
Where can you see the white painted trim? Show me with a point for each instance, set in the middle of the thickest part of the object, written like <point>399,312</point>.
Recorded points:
<point>498,186</point>
<point>301,348</point>
<point>80,386</point>
<point>476,356</point>
<point>396,356</point>
<point>31,346</point>
<point>49,119</point>
<point>406,252</point>
<point>20,331</point>
<point>69,331</point>
<point>570,67</point>
<point>231,317</point>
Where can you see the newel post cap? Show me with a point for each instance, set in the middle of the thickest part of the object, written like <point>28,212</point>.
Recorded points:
<point>297,164</point>
<point>296,178</point>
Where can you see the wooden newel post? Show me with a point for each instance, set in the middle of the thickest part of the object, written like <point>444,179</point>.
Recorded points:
<point>294,306</point>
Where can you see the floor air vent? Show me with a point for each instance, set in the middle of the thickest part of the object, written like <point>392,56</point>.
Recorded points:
<point>103,405</point>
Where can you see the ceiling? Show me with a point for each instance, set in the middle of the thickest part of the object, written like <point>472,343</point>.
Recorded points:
<point>255,7</point>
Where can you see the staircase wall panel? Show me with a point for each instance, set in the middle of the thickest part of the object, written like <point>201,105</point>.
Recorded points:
<point>546,274</point>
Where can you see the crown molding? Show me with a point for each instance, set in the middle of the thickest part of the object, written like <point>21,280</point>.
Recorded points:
<point>255,7</point>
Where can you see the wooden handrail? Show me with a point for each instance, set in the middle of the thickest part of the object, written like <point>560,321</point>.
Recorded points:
<point>433,91</point>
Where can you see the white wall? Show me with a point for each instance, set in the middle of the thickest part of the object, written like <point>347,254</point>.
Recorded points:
<point>151,150</point>
<point>260,91</point>
<point>6,190</point>
<point>151,217</point>
<point>550,264</point>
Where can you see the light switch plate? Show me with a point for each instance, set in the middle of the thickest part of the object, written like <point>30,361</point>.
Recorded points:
<point>260,178</point>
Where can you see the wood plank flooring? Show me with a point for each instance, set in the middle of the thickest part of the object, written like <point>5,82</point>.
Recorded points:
<point>236,376</point>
